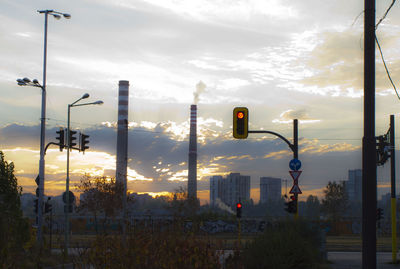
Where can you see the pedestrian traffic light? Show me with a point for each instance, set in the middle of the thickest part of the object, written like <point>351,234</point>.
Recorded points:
<point>238,210</point>
<point>60,138</point>
<point>35,204</point>
<point>240,122</point>
<point>72,138</point>
<point>84,142</point>
<point>379,213</point>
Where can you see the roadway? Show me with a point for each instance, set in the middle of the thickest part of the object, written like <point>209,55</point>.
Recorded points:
<point>352,260</point>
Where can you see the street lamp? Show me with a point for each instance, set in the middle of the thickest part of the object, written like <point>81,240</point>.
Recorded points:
<point>35,83</point>
<point>74,104</point>
<point>28,82</point>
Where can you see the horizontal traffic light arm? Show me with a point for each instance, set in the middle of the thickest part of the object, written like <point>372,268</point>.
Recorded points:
<point>57,144</point>
<point>291,146</point>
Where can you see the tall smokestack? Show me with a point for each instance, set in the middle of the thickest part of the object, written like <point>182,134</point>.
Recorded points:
<point>192,165</point>
<point>122,135</point>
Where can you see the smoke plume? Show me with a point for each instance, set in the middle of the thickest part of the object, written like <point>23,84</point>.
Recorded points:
<point>223,206</point>
<point>199,89</point>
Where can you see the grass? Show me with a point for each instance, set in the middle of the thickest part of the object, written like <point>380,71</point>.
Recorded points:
<point>333,243</point>
<point>354,243</point>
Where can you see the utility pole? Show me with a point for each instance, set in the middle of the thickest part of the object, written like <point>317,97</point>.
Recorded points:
<point>393,189</point>
<point>369,143</point>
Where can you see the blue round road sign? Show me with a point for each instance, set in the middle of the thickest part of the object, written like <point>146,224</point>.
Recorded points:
<point>295,164</point>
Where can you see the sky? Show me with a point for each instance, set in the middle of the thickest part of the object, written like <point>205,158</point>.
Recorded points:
<point>282,59</point>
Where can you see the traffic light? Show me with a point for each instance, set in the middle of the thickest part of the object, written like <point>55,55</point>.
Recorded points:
<point>72,138</point>
<point>238,210</point>
<point>84,142</point>
<point>37,180</point>
<point>47,207</point>
<point>382,149</point>
<point>240,122</point>
<point>60,138</point>
<point>379,213</point>
<point>291,206</point>
<point>35,204</point>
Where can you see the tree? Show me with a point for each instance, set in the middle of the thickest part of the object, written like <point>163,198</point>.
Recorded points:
<point>335,201</point>
<point>14,229</point>
<point>312,207</point>
<point>183,206</point>
<point>101,196</point>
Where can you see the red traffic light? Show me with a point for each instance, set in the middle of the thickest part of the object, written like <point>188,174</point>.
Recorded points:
<point>240,115</point>
<point>238,205</point>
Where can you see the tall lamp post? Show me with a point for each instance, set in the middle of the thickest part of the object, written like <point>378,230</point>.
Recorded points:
<point>74,104</point>
<point>26,82</point>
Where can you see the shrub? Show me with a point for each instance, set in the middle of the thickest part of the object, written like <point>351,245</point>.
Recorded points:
<point>146,250</point>
<point>289,244</point>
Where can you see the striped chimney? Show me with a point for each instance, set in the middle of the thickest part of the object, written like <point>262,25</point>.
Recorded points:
<point>122,133</point>
<point>192,165</point>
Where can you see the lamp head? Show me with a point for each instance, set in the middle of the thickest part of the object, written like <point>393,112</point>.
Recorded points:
<point>21,82</point>
<point>26,80</point>
<point>57,17</point>
<point>98,102</point>
<point>86,95</point>
<point>67,16</point>
<point>35,81</point>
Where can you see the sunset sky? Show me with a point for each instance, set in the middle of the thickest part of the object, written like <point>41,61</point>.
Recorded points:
<point>282,59</point>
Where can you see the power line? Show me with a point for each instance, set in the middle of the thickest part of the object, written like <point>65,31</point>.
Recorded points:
<point>384,15</point>
<point>384,64</point>
<point>380,50</point>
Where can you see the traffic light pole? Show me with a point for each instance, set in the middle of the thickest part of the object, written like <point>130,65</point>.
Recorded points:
<point>294,147</point>
<point>393,189</point>
<point>296,156</point>
<point>239,233</point>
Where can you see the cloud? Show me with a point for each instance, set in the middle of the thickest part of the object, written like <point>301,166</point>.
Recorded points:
<point>289,115</point>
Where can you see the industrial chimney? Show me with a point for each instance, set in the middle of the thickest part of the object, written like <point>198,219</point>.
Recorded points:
<point>122,133</point>
<point>192,165</point>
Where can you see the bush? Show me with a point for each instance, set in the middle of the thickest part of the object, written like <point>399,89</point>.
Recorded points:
<point>146,250</point>
<point>289,244</point>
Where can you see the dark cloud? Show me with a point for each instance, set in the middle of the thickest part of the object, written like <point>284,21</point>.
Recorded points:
<point>152,150</point>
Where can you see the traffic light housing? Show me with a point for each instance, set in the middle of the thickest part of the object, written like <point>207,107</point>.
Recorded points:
<point>239,210</point>
<point>60,138</point>
<point>35,204</point>
<point>47,207</point>
<point>84,142</point>
<point>240,122</point>
<point>379,213</point>
<point>382,149</point>
<point>72,138</point>
<point>291,206</point>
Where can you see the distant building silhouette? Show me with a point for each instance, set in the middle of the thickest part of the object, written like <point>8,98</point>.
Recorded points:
<point>229,190</point>
<point>215,189</point>
<point>354,185</point>
<point>270,189</point>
